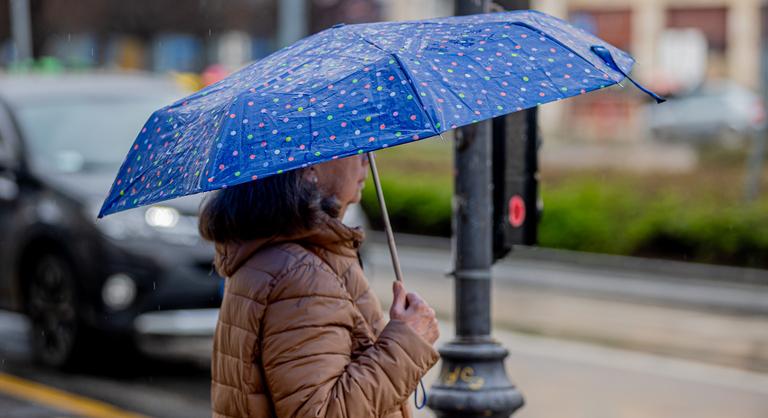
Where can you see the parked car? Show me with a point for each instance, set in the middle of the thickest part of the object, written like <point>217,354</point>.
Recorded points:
<point>84,281</point>
<point>719,111</point>
<point>141,276</point>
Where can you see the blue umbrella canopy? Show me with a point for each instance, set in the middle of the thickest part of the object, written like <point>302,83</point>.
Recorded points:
<point>353,89</point>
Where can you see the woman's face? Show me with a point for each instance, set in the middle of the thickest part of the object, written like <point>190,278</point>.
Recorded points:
<point>343,178</point>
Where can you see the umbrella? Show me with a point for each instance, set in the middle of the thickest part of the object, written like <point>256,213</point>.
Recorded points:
<point>354,89</point>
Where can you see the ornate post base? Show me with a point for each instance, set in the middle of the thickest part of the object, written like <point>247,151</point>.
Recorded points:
<point>473,382</point>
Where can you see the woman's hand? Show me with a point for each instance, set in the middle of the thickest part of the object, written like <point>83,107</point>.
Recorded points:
<point>414,311</point>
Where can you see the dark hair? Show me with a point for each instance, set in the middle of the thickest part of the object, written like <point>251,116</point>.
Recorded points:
<point>283,204</point>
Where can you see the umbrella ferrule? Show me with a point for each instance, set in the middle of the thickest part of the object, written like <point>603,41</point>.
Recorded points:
<point>607,57</point>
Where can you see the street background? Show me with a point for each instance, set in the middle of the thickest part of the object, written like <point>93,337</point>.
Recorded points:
<point>645,296</point>
<point>578,348</point>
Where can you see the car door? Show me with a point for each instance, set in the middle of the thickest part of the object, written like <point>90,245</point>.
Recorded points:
<point>9,199</point>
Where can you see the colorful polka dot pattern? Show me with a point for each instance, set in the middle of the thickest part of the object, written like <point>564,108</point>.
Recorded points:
<point>353,89</point>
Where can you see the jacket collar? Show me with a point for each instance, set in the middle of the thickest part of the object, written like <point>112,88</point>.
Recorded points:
<point>329,236</point>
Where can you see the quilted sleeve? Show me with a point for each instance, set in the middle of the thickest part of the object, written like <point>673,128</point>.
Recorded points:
<point>307,346</point>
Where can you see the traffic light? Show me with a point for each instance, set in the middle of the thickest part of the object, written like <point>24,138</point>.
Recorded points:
<point>515,181</point>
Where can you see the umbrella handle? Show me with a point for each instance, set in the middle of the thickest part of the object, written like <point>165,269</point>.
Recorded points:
<point>393,253</point>
<point>385,218</point>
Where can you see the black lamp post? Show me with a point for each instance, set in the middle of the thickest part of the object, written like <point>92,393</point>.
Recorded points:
<point>473,380</point>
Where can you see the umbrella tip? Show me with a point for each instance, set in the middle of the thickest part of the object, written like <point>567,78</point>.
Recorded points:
<point>606,56</point>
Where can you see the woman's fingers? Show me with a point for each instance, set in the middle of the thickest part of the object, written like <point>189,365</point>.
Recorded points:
<point>415,312</point>
<point>398,300</point>
<point>414,301</point>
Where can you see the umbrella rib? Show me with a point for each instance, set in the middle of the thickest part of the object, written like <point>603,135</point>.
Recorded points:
<point>207,136</point>
<point>416,93</point>
<point>563,45</point>
<point>410,79</point>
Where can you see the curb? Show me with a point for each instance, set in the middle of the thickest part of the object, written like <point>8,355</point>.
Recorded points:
<point>670,268</point>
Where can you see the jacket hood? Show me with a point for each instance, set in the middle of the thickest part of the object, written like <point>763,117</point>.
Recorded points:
<point>329,234</point>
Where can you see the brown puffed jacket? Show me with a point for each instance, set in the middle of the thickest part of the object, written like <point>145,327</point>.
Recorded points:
<point>300,334</point>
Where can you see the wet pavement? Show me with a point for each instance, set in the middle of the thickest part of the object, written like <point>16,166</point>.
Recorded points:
<point>673,312</point>
<point>131,383</point>
<point>633,359</point>
<point>16,408</point>
<point>558,378</point>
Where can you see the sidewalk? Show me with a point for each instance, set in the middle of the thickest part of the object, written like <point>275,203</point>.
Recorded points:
<point>669,269</point>
<point>576,380</point>
<point>720,324</point>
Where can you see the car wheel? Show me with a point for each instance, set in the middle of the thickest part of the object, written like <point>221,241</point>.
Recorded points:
<point>51,306</point>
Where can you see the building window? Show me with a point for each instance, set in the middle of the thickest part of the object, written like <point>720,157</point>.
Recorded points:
<point>614,26</point>
<point>711,21</point>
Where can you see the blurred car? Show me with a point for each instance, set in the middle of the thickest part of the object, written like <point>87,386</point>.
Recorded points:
<point>79,279</point>
<point>140,277</point>
<point>718,111</point>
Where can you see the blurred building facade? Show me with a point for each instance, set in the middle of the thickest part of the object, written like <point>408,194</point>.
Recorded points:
<point>730,29</point>
<point>411,10</point>
<point>678,44</point>
<point>165,35</point>
<point>730,32</point>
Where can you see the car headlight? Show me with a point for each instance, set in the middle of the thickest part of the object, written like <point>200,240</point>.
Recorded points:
<point>155,222</point>
<point>162,217</point>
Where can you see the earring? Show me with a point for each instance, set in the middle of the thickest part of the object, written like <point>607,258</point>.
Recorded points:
<point>314,180</point>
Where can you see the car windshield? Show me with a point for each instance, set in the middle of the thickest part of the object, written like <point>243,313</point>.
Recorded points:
<point>84,135</point>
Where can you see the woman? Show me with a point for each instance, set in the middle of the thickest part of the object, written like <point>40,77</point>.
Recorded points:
<point>300,333</point>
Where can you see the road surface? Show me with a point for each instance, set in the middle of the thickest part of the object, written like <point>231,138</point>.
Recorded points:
<point>559,378</point>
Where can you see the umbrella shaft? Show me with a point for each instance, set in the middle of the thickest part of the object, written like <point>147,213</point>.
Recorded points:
<point>385,218</point>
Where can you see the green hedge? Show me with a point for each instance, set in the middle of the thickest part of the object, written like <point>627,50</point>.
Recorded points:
<point>416,204</point>
<point>614,218</point>
<point>600,214</point>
